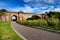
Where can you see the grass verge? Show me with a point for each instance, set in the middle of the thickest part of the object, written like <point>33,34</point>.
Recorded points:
<point>7,33</point>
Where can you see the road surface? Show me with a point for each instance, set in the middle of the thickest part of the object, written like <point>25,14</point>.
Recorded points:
<point>35,34</point>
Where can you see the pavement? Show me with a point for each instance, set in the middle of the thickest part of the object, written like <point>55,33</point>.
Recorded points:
<point>35,34</point>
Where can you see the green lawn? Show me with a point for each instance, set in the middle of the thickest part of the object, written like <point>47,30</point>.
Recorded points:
<point>7,33</point>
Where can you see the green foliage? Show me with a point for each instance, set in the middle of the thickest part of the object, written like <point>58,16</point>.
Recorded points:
<point>54,23</point>
<point>50,23</point>
<point>33,23</point>
<point>53,14</point>
<point>7,33</point>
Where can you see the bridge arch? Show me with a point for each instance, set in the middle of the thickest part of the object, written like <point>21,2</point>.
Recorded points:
<point>14,18</point>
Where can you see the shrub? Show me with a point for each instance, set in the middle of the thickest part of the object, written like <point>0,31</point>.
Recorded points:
<point>40,22</point>
<point>50,23</point>
<point>53,21</point>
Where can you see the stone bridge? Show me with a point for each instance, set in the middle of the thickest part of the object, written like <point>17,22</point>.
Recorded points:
<point>20,16</point>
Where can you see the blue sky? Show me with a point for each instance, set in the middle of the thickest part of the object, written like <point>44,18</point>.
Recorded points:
<point>31,6</point>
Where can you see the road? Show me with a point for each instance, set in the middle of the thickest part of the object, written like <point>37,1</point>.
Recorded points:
<point>35,34</point>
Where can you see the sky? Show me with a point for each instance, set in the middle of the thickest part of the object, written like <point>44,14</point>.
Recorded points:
<point>30,6</point>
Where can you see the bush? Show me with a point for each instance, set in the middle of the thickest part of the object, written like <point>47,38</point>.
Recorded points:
<point>40,22</point>
<point>53,14</point>
<point>50,23</point>
<point>53,23</point>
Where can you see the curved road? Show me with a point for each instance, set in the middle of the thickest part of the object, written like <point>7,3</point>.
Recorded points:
<point>35,34</point>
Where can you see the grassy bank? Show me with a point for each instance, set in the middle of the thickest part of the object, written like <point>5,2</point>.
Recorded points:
<point>51,23</point>
<point>7,33</point>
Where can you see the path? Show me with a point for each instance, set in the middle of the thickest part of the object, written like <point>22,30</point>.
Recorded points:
<point>35,34</point>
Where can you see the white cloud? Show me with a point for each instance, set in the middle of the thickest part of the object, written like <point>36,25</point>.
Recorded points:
<point>27,0</point>
<point>43,7</point>
<point>37,3</point>
<point>48,10</point>
<point>34,0</point>
<point>49,1</point>
<point>37,10</point>
<point>15,9</point>
<point>24,9</point>
<point>57,9</point>
<point>29,9</point>
<point>51,9</point>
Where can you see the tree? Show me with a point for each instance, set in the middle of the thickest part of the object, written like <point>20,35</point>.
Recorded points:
<point>53,14</point>
<point>49,14</point>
